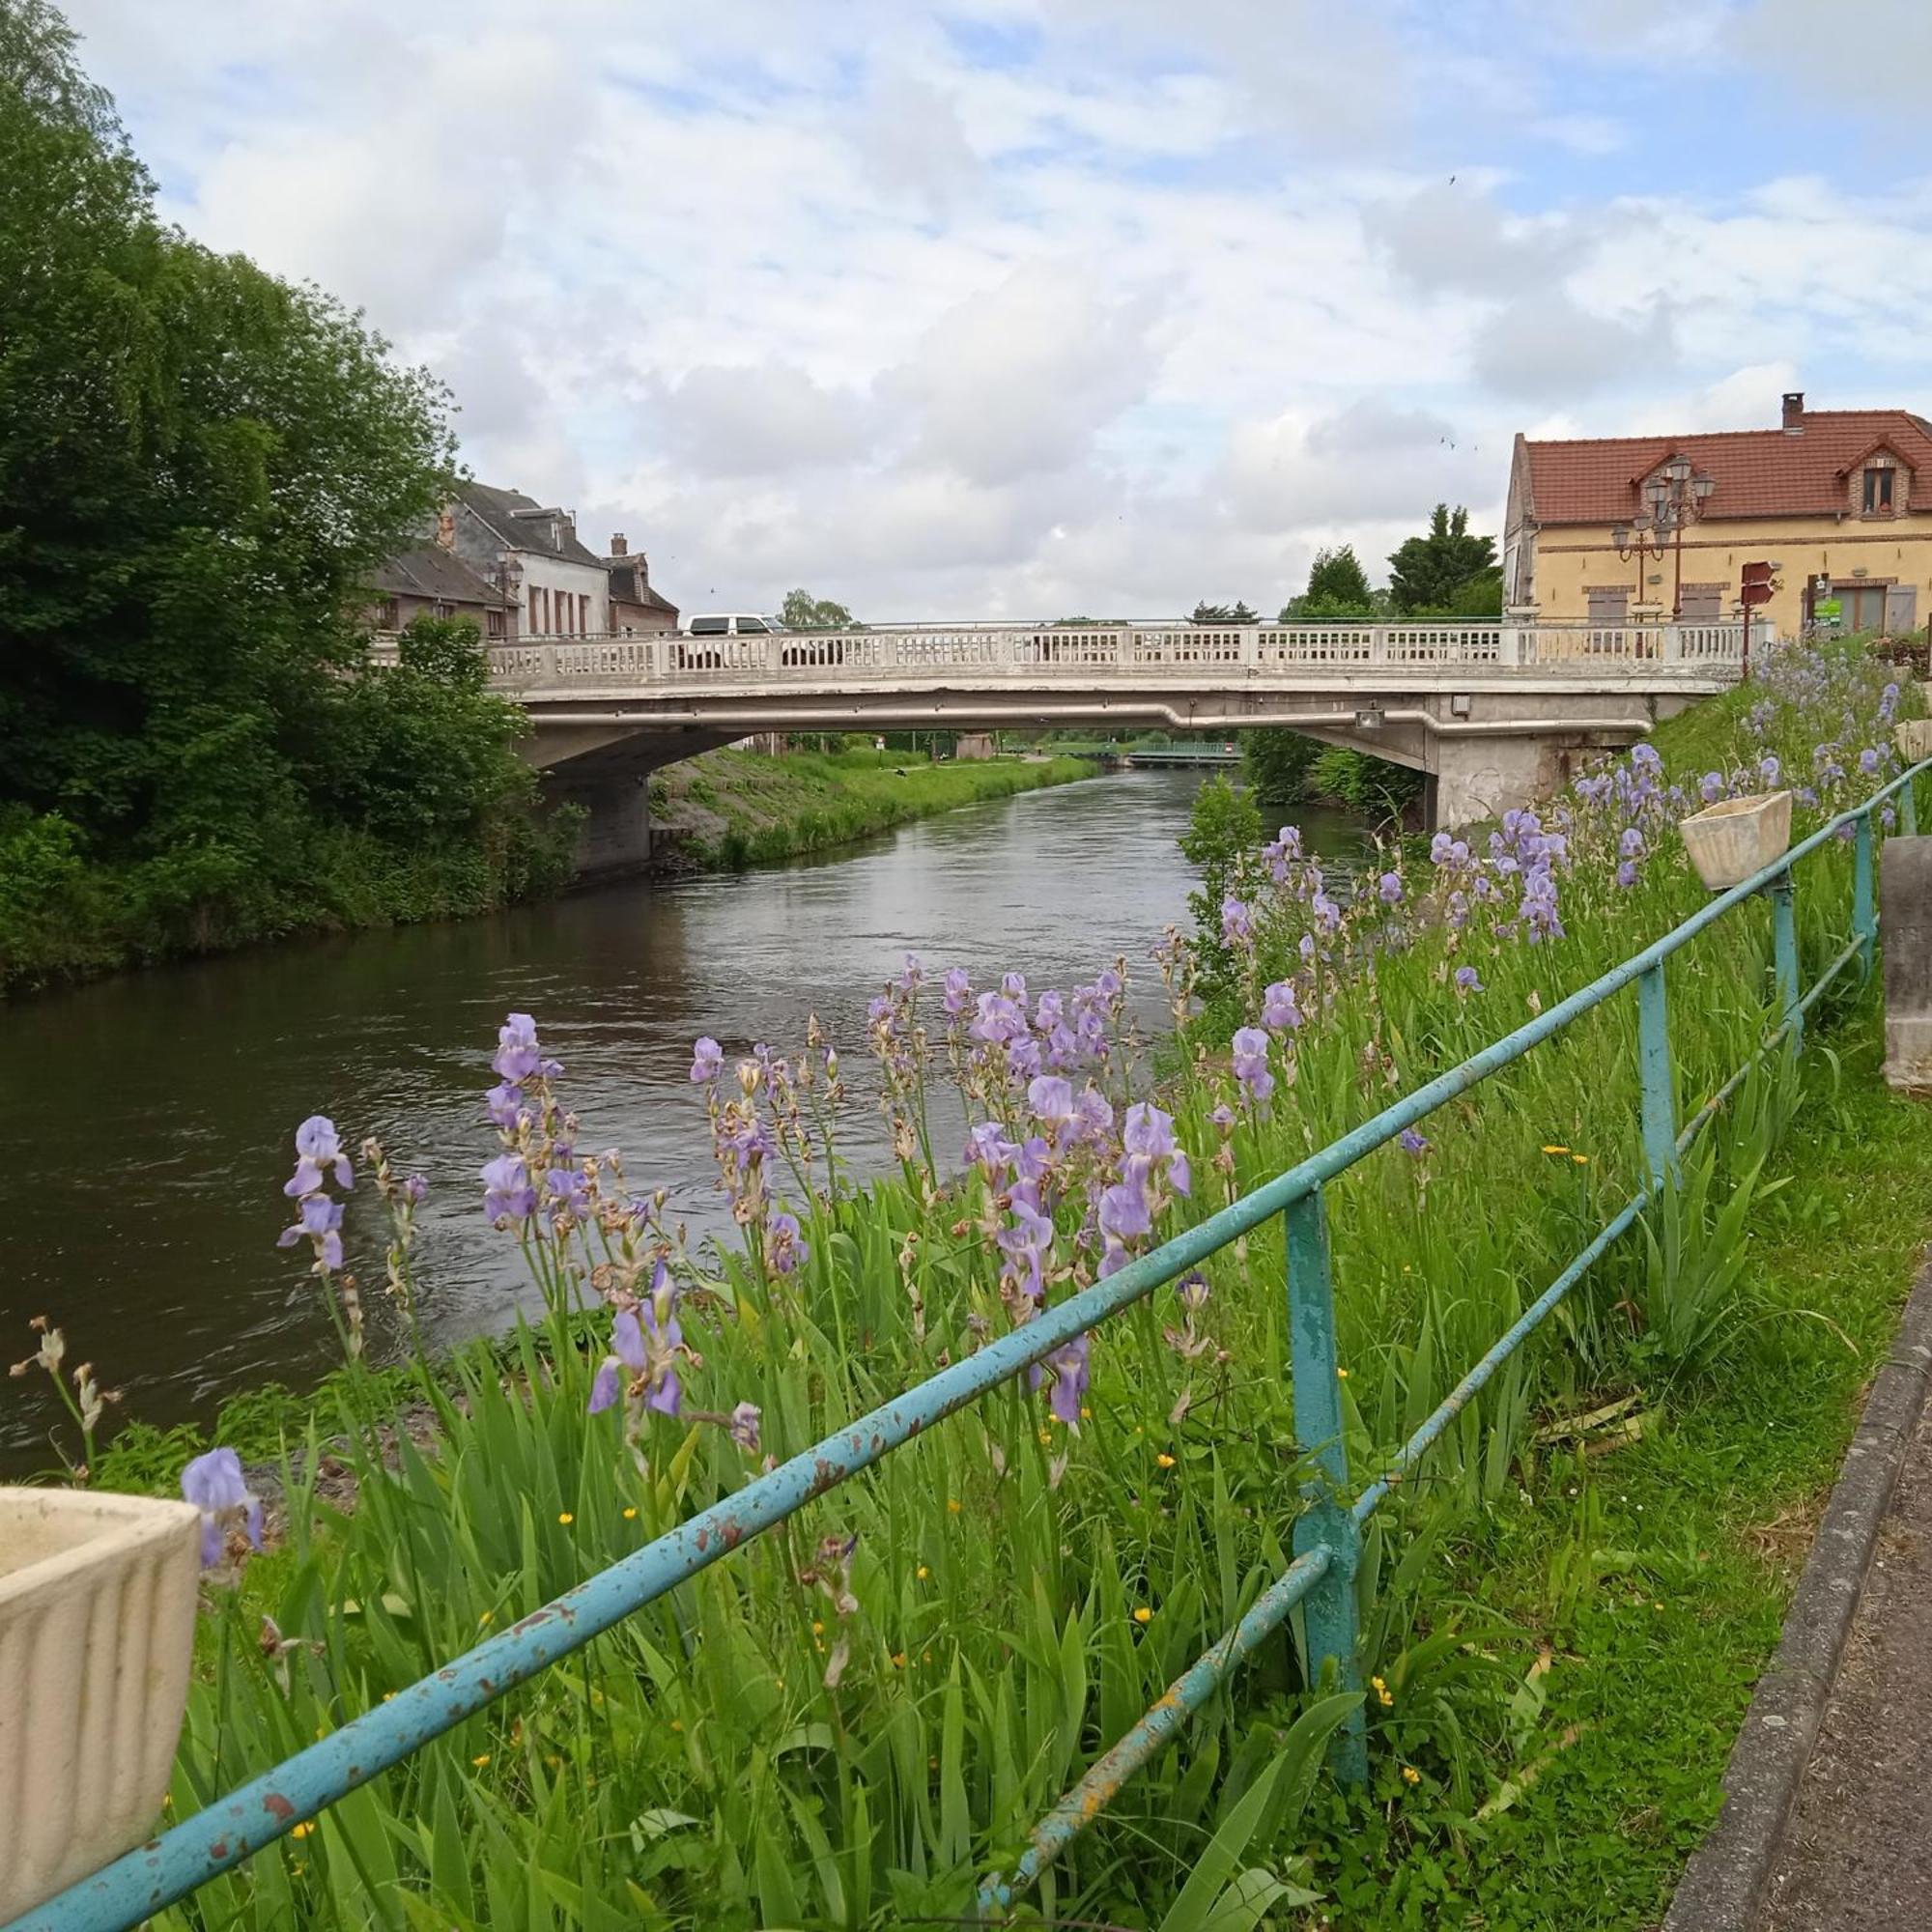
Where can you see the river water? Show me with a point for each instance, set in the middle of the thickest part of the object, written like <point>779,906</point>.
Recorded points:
<point>145,1121</point>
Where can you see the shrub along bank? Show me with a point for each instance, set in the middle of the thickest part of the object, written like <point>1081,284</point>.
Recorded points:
<point>739,809</point>
<point>846,1724</point>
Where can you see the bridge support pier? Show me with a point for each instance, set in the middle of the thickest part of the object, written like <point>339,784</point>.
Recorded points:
<point>616,836</point>
<point>1473,779</point>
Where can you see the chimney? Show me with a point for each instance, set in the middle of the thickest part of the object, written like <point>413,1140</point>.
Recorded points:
<point>616,543</point>
<point>1794,411</point>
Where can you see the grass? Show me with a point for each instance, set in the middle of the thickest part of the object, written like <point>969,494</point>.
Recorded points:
<point>733,809</point>
<point>852,1720</point>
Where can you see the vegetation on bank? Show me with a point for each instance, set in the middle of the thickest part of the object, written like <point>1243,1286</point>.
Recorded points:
<point>733,809</point>
<point>847,1724</point>
<point>199,466</point>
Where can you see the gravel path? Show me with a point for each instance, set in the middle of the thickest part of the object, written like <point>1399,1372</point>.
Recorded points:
<point>1857,1853</point>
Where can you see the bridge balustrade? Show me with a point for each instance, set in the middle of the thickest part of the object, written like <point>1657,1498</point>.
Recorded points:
<point>916,653</point>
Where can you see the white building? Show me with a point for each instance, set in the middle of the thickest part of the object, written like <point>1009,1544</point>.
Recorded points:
<point>555,587</point>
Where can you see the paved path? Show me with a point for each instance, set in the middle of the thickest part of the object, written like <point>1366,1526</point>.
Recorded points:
<point>1857,1852</point>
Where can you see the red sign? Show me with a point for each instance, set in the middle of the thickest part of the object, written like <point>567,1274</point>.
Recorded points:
<point>1758,584</point>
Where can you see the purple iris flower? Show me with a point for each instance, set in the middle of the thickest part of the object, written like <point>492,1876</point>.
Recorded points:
<point>1868,761</point>
<point>1389,886</point>
<point>785,1246</point>
<point>1328,914</point>
<point>1049,1011</point>
<point>1069,1366</point>
<point>1123,1212</point>
<point>213,1484</point>
<point>320,1219</point>
<point>743,1426</point>
<point>1051,1099</point>
<point>1251,1067</point>
<point>1013,986</point>
<point>627,1351</point>
<point>1770,768</point>
<point>507,1193</point>
<point>1025,1244</point>
<point>318,1150</point>
<point>879,1009</point>
<point>958,990</point>
<point>988,1149</point>
<point>1627,873</point>
<point>1631,845</point>
<point>1096,1112</point>
<point>1023,1057</point>
<point>1000,1019</point>
<point>519,1053</point>
<point>1468,979</point>
<point>914,976</point>
<point>1238,922</point>
<point>504,1102</point>
<point>1411,1142</point>
<point>567,1191</point>
<point>1305,946</point>
<point>416,1190</point>
<point>1108,984</point>
<point>1279,1012</point>
<point>707,1057</point>
<point>1710,787</point>
<point>1646,757</point>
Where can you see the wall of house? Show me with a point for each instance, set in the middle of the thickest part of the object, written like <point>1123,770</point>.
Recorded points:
<point>1572,560</point>
<point>560,577</point>
<point>646,621</point>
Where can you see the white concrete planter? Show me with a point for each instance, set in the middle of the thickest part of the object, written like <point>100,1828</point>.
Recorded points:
<point>1913,738</point>
<point>97,1633</point>
<point>1730,840</point>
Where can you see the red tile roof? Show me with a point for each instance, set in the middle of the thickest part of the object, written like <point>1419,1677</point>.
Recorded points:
<point>1759,472</point>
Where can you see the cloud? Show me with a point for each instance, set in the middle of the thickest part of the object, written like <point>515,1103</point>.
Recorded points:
<point>1544,347</point>
<point>1035,306</point>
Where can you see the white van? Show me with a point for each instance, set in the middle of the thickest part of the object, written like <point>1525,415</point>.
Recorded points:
<point>731,624</point>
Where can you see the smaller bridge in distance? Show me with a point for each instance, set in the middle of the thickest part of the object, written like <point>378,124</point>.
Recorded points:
<point>1495,712</point>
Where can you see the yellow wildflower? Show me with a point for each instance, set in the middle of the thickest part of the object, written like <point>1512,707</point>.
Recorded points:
<point>1165,1461</point>
<point>677,1723</point>
<point>488,1616</point>
<point>1343,1373</point>
<point>899,1659</point>
<point>480,1760</point>
<point>921,1573</point>
<point>1553,1148</point>
<point>302,1830</point>
<point>1143,1615</point>
<point>565,1517</point>
<point>954,1505</point>
<point>631,1513</point>
<point>1581,1159</point>
<point>1410,1775</point>
<point>1047,1436</point>
<point>1086,1415</point>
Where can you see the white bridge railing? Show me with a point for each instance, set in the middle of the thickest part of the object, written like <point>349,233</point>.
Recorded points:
<point>1166,651</point>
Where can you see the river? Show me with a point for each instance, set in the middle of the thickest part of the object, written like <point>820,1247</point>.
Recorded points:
<point>145,1121</point>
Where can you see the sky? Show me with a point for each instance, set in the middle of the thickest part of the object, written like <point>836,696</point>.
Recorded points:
<point>1035,308</point>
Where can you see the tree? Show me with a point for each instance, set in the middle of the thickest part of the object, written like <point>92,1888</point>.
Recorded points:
<point>1222,828</point>
<point>1275,763</point>
<point>801,610</point>
<point>1426,573</point>
<point>199,468</point>
<point>1223,613</point>
<point>1338,591</point>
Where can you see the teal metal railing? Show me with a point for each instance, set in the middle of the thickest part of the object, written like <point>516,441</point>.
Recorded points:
<point>1327,1534</point>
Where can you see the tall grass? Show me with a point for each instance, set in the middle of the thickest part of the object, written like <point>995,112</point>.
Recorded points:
<point>855,1717</point>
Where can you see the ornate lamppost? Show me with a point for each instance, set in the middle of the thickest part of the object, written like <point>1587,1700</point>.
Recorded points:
<point>1676,496</point>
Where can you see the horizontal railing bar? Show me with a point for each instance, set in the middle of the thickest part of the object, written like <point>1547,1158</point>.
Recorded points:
<point>1085,1801</point>
<point>222,1835</point>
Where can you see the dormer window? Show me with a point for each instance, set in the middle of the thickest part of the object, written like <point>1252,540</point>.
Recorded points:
<point>1878,489</point>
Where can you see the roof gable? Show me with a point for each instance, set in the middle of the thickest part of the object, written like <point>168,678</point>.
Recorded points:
<point>1766,472</point>
<point>499,510</point>
<point>433,572</point>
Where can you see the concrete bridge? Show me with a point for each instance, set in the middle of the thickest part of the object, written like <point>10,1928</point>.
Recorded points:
<point>1495,713</point>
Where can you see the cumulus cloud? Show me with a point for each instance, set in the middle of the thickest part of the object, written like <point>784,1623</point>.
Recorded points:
<point>1021,308</point>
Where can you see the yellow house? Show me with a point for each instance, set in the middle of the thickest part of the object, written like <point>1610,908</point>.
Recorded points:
<point>1837,502</point>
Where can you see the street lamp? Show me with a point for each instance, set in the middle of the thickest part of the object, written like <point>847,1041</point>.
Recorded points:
<point>1675,496</point>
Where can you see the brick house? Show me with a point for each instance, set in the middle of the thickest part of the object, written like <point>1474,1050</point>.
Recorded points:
<point>431,580</point>
<point>1838,501</point>
<point>635,609</point>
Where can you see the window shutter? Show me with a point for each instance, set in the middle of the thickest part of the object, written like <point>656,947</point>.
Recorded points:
<point>1901,607</point>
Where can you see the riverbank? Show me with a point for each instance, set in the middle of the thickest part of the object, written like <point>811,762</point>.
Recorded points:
<point>1028,1574</point>
<point>731,809</point>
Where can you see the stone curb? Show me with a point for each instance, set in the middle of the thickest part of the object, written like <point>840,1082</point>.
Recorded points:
<point>1723,1889</point>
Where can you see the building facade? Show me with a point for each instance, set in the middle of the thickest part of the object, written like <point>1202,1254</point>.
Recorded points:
<point>635,609</point>
<point>431,580</point>
<point>551,585</point>
<point>1832,500</point>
